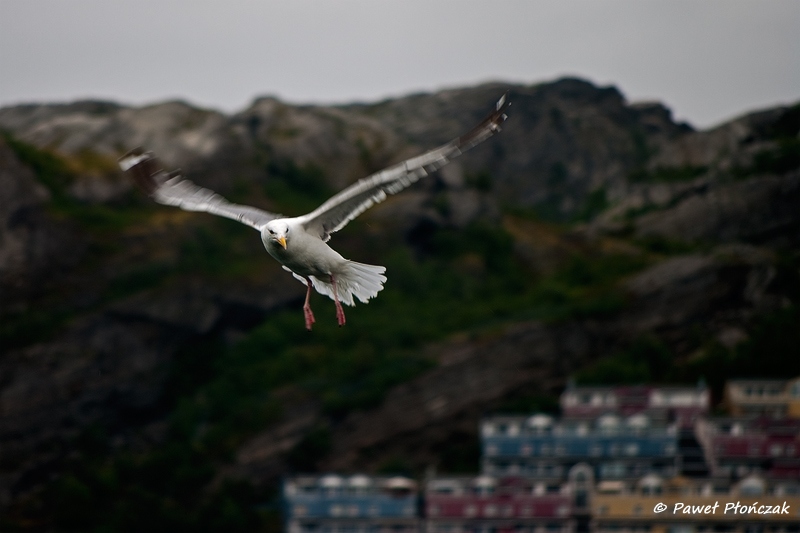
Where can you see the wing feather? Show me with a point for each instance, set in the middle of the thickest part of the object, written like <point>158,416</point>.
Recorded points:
<point>173,189</point>
<point>340,209</point>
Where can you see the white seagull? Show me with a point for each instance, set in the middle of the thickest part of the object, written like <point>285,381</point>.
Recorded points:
<point>299,243</point>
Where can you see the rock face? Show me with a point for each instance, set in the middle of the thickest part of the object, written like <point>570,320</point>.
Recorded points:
<point>99,296</point>
<point>735,183</point>
<point>757,210</point>
<point>565,140</point>
<point>181,132</point>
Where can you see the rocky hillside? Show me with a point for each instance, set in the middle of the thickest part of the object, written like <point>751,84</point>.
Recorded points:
<point>154,369</point>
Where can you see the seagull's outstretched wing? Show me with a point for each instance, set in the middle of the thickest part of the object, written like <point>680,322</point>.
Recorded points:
<point>340,209</point>
<point>172,189</point>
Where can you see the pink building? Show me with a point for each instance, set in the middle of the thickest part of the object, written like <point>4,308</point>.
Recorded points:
<point>484,503</point>
<point>681,405</point>
<point>739,447</point>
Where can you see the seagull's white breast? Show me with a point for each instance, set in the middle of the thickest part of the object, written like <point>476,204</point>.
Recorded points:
<point>305,254</point>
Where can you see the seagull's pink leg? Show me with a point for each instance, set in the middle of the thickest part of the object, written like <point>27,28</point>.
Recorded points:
<point>307,307</point>
<point>339,310</point>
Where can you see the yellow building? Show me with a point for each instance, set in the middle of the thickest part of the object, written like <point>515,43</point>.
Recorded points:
<point>756,397</point>
<point>680,505</point>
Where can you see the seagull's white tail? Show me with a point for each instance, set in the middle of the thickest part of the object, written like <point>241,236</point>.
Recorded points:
<point>354,279</point>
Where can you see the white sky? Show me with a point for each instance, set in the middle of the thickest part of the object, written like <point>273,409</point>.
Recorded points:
<point>708,60</point>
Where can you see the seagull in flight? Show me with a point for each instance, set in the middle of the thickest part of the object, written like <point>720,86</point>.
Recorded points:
<point>300,243</point>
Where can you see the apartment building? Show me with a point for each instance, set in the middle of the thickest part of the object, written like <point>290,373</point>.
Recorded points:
<point>497,505</point>
<point>662,405</point>
<point>738,447</point>
<point>353,504</point>
<point>614,447</point>
<point>763,397</point>
<point>663,505</point>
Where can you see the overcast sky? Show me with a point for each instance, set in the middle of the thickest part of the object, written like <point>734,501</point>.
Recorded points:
<point>708,60</point>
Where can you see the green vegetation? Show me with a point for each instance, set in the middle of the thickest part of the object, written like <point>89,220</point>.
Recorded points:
<point>482,181</point>
<point>647,360</point>
<point>315,446</point>
<point>595,203</point>
<point>787,126</point>
<point>50,169</point>
<point>459,454</point>
<point>549,210</point>
<point>221,395</point>
<point>416,308</point>
<point>21,329</point>
<point>160,492</point>
<point>558,175</point>
<point>294,188</point>
<point>658,244</point>
<point>586,286</point>
<point>641,151</point>
<point>87,159</point>
<point>784,158</point>
<point>773,341</point>
<point>529,402</point>
<point>57,175</point>
<point>766,353</point>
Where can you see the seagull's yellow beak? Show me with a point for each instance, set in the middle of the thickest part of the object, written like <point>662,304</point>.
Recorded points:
<point>282,241</point>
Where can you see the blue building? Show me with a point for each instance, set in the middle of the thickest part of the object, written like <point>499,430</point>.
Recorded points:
<point>355,504</point>
<point>614,447</point>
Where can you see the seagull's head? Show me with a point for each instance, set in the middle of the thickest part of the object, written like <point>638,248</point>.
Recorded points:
<point>277,231</point>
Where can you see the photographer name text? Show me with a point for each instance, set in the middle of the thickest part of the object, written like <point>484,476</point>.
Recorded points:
<point>730,508</point>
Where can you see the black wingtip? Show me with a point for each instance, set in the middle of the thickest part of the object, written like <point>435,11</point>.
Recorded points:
<point>491,124</point>
<point>499,116</point>
<point>133,158</point>
<point>503,103</point>
<point>142,166</point>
